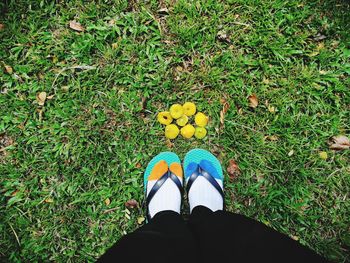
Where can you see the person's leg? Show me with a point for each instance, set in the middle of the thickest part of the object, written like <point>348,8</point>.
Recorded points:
<point>228,237</point>
<point>160,240</point>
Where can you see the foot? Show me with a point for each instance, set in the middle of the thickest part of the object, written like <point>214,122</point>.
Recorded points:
<point>164,186</point>
<point>204,178</point>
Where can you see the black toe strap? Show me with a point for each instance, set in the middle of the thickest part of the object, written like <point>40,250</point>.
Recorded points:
<point>159,184</point>
<point>201,172</point>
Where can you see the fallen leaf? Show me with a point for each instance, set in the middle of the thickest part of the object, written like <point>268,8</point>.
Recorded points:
<point>2,26</point>
<point>272,138</point>
<point>140,220</point>
<point>340,142</point>
<point>323,155</point>
<point>114,45</point>
<point>132,203</point>
<point>41,98</point>
<point>163,11</point>
<point>76,26</point>
<point>107,201</point>
<point>272,109</point>
<point>169,143</point>
<point>48,200</point>
<point>8,69</point>
<point>225,108</point>
<point>253,101</point>
<point>138,165</point>
<point>233,169</point>
<point>295,238</point>
<point>222,36</point>
<point>291,152</point>
<point>50,97</point>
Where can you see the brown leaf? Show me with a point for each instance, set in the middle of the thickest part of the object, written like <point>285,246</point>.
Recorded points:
<point>340,142</point>
<point>253,101</point>
<point>132,203</point>
<point>233,169</point>
<point>41,98</point>
<point>138,165</point>
<point>2,26</point>
<point>169,144</point>
<point>8,69</point>
<point>76,26</point>
<point>107,201</point>
<point>225,108</point>
<point>271,138</point>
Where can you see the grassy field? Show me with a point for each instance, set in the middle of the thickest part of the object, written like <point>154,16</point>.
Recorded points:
<point>67,167</point>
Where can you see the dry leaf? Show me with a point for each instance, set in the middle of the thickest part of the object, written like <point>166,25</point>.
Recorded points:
<point>76,26</point>
<point>222,36</point>
<point>140,220</point>
<point>50,97</point>
<point>272,109</point>
<point>138,165</point>
<point>323,155</point>
<point>41,97</point>
<point>272,138</point>
<point>2,26</point>
<point>291,153</point>
<point>48,200</point>
<point>169,144</point>
<point>8,69</point>
<point>114,45</point>
<point>163,11</point>
<point>132,203</point>
<point>225,108</point>
<point>253,101</point>
<point>339,142</point>
<point>107,201</point>
<point>233,169</point>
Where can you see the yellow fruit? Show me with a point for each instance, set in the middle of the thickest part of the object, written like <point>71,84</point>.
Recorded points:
<point>200,132</point>
<point>187,131</point>
<point>171,131</point>
<point>182,121</point>
<point>189,108</point>
<point>176,111</point>
<point>164,117</point>
<point>200,119</point>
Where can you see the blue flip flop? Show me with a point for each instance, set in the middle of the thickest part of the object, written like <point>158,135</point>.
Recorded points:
<point>169,158</point>
<point>199,162</point>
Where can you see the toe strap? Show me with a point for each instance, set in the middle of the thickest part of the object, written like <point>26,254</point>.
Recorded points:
<point>158,185</point>
<point>201,172</point>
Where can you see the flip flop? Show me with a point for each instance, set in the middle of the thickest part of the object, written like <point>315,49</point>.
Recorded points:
<point>199,162</point>
<point>164,166</point>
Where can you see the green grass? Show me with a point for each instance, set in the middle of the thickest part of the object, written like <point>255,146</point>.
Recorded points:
<point>60,162</point>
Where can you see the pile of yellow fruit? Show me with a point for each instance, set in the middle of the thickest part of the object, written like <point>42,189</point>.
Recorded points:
<point>181,114</point>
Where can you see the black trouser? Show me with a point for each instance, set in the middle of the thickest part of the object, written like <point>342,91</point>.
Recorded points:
<point>207,237</point>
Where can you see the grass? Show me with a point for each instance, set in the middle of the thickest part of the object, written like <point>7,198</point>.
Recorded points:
<point>93,139</point>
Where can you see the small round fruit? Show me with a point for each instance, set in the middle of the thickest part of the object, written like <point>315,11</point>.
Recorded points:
<point>200,119</point>
<point>164,117</point>
<point>200,132</point>
<point>182,121</point>
<point>171,131</point>
<point>187,131</point>
<point>189,108</point>
<point>176,111</point>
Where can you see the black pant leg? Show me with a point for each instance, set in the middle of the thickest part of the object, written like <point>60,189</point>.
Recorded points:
<point>160,240</point>
<point>226,237</point>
